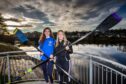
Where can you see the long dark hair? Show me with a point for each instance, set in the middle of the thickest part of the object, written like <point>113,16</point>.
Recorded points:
<point>42,37</point>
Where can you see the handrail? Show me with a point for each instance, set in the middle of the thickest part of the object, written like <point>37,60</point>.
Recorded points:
<point>110,68</point>
<point>13,52</point>
<point>103,59</point>
<point>82,54</point>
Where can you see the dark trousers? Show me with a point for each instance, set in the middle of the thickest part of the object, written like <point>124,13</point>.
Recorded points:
<point>64,65</point>
<point>47,71</point>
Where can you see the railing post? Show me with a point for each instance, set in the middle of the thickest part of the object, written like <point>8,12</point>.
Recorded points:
<point>8,65</point>
<point>90,71</point>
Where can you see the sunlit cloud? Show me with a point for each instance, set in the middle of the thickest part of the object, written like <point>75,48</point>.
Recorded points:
<point>68,15</point>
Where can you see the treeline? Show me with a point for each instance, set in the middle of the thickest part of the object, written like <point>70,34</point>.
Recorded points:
<point>111,36</point>
<point>76,34</point>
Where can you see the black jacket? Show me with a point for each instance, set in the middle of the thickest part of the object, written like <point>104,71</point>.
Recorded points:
<point>61,53</point>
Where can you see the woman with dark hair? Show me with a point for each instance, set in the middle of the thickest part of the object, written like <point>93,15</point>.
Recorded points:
<point>46,45</point>
<point>63,57</point>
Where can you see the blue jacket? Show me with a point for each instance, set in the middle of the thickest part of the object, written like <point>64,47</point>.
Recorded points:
<point>47,47</point>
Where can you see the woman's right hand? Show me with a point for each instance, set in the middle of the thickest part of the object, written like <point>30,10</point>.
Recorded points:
<point>51,57</point>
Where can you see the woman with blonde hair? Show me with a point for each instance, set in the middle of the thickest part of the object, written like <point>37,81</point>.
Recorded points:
<point>62,57</point>
<point>46,45</point>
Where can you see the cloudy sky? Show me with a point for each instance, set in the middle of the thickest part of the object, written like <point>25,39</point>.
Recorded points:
<point>69,15</point>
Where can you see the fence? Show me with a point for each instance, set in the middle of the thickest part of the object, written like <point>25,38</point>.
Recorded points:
<point>85,68</point>
<point>92,69</point>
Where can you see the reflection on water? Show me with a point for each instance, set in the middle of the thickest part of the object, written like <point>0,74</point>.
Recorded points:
<point>113,52</point>
<point>122,48</point>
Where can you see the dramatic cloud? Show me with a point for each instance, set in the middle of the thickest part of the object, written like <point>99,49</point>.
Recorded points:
<point>69,15</point>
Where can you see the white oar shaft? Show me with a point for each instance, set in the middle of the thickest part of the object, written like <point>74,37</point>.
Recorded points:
<point>83,37</point>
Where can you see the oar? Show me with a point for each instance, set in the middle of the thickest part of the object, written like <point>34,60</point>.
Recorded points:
<point>113,18</point>
<point>105,25</point>
<point>23,72</point>
<point>64,71</point>
<point>108,23</point>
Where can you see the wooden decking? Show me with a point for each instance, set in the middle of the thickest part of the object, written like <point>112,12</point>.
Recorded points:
<point>36,82</point>
<point>23,63</point>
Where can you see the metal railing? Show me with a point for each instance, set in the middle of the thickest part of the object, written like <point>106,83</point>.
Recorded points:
<point>86,68</point>
<point>92,69</point>
<point>14,62</point>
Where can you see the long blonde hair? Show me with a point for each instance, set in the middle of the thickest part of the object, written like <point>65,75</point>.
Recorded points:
<point>64,38</point>
<point>42,37</point>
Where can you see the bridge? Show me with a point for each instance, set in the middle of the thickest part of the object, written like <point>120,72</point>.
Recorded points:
<point>85,68</point>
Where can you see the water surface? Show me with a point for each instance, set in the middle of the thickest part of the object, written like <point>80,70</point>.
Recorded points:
<point>113,52</point>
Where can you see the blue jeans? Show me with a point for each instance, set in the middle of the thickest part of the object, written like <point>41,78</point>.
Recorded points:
<point>47,68</point>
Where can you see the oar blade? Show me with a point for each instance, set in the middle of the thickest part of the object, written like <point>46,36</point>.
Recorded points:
<point>109,22</point>
<point>21,36</point>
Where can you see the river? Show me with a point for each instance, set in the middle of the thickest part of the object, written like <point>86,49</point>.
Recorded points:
<point>113,52</point>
